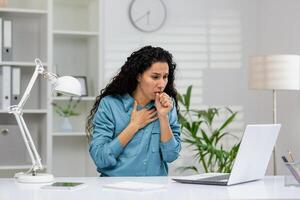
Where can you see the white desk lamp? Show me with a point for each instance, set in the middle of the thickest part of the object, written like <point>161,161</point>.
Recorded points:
<point>275,72</point>
<point>66,85</point>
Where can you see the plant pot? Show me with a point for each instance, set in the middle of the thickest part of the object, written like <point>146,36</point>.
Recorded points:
<point>66,125</point>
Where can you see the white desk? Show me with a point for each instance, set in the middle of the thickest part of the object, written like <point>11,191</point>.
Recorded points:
<point>269,188</point>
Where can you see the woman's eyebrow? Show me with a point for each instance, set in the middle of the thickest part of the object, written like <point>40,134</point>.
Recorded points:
<point>156,73</point>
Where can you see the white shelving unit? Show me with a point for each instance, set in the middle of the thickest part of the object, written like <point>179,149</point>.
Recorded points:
<point>29,111</point>
<point>75,51</point>
<point>64,34</point>
<point>14,11</point>
<point>88,98</point>
<point>29,40</point>
<point>10,167</point>
<point>76,33</point>
<point>69,134</point>
<point>26,5</point>
<point>20,64</point>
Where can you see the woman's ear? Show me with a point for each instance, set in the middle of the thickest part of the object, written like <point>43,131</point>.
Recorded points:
<point>138,78</point>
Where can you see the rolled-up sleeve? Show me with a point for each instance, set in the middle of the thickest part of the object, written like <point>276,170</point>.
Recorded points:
<point>171,148</point>
<point>104,147</point>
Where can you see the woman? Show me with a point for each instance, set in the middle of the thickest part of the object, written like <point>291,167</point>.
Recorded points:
<point>134,119</point>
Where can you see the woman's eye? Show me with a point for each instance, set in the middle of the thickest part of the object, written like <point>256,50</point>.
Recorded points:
<point>155,77</point>
<point>165,77</point>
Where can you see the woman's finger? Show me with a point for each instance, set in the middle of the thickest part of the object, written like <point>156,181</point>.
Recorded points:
<point>162,100</point>
<point>134,106</point>
<point>152,114</point>
<point>151,110</point>
<point>161,96</point>
<point>165,101</point>
<point>166,95</point>
<point>151,119</point>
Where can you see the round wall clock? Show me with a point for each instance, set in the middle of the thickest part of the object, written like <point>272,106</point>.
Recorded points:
<point>147,15</point>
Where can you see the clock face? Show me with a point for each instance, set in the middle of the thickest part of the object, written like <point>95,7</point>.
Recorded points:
<point>147,15</point>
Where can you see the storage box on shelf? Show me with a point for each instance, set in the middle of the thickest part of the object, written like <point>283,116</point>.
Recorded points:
<point>14,155</point>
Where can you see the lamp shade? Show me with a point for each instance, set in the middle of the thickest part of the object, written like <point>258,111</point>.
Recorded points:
<point>275,72</point>
<point>68,85</point>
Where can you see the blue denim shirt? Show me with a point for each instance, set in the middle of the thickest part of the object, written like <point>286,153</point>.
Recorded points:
<point>144,155</point>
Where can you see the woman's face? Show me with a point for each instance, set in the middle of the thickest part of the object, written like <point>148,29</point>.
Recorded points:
<point>153,80</point>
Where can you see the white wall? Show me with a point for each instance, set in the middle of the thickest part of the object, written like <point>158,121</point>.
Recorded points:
<point>226,33</point>
<point>279,31</point>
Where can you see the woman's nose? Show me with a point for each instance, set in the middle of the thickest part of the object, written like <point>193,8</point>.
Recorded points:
<point>161,83</point>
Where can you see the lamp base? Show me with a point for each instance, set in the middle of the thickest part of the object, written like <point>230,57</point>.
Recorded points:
<point>38,178</point>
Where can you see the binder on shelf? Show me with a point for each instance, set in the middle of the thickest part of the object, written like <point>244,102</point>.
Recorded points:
<point>7,40</point>
<point>16,85</point>
<point>1,33</point>
<point>6,87</point>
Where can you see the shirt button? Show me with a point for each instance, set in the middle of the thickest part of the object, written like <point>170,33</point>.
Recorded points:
<point>145,162</point>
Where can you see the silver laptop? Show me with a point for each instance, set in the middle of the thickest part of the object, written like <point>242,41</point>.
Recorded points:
<point>251,161</point>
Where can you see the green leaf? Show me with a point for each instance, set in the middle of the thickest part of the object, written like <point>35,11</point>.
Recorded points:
<point>205,137</point>
<point>228,121</point>
<point>187,97</point>
<point>179,97</point>
<point>221,136</point>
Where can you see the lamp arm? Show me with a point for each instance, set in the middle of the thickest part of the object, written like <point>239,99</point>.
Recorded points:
<point>34,156</point>
<point>38,165</point>
<point>17,110</point>
<point>39,69</point>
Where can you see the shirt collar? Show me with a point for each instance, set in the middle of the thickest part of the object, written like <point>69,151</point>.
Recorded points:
<point>128,101</point>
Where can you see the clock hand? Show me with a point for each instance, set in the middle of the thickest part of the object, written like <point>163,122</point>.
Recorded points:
<point>141,17</point>
<point>148,18</point>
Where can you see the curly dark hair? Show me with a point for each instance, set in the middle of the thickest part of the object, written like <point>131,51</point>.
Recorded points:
<point>126,79</point>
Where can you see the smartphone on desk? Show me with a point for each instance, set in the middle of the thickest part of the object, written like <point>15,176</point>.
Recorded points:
<point>65,185</point>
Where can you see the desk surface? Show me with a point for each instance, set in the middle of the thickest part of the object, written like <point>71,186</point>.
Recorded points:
<point>268,188</point>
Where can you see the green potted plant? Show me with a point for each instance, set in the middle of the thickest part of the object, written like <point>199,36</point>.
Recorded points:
<point>66,112</point>
<point>205,139</point>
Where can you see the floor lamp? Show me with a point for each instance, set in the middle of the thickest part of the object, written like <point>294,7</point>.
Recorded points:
<point>66,85</point>
<point>274,72</point>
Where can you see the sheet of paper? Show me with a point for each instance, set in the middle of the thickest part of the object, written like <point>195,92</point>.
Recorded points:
<point>134,186</point>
